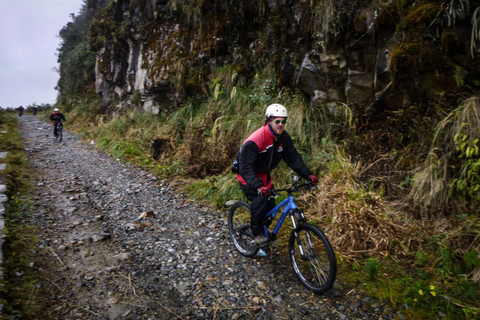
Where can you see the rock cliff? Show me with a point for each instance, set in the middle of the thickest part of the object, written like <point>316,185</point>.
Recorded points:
<point>380,54</point>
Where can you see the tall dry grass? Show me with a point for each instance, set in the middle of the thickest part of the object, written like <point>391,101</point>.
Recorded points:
<point>449,165</point>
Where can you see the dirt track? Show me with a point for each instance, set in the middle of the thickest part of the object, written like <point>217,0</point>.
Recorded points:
<point>99,259</point>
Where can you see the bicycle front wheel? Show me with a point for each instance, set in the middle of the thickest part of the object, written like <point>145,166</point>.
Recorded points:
<point>60,134</point>
<point>239,229</point>
<point>312,258</point>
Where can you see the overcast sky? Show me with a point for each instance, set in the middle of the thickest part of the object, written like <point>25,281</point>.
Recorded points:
<point>28,46</point>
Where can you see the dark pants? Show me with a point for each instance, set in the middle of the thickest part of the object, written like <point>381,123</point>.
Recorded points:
<point>260,205</point>
<point>55,129</point>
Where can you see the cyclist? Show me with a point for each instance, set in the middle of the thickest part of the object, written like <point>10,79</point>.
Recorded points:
<point>260,153</point>
<point>56,117</point>
<point>20,111</point>
<point>34,108</point>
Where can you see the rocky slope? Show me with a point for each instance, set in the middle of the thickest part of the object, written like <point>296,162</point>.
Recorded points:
<point>117,243</point>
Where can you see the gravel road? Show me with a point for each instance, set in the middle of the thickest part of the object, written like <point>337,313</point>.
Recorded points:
<point>119,243</point>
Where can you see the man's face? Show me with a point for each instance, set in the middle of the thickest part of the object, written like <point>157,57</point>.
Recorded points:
<point>278,125</point>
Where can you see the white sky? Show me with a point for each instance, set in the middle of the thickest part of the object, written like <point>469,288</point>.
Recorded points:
<point>28,46</point>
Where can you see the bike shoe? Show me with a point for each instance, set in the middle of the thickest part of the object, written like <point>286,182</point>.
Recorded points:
<point>261,253</point>
<point>261,239</point>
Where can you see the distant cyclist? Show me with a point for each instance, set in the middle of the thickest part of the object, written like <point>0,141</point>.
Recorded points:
<point>34,110</point>
<point>20,111</point>
<point>261,153</point>
<point>56,117</point>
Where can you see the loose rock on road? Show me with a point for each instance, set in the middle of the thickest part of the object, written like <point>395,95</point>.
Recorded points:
<point>118,243</point>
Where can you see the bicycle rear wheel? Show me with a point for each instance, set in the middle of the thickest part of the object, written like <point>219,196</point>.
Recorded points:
<point>239,229</point>
<point>312,258</point>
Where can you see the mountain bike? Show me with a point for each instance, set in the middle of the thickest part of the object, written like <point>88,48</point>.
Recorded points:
<point>311,254</point>
<point>59,134</point>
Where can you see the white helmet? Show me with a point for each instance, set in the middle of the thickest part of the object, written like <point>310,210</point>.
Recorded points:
<point>56,110</point>
<point>276,110</point>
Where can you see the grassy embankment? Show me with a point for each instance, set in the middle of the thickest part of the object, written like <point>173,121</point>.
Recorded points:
<point>20,294</point>
<point>427,265</point>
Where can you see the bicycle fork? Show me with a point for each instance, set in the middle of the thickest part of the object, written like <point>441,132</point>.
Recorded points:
<point>294,215</point>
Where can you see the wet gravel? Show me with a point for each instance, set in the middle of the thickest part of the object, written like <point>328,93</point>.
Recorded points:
<point>119,243</point>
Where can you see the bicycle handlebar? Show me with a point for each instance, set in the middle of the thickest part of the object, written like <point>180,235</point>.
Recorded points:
<point>293,188</point>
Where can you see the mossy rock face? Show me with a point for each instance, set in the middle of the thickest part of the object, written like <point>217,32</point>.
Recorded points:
<point>421,71</point>
<point>406,57</point>
<point>388,17</point>
<point>418,20</point>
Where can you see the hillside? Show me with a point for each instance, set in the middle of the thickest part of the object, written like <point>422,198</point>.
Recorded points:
<point>383,101</point>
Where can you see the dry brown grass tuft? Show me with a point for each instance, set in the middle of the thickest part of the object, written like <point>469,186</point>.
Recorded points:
<point>358,223</point>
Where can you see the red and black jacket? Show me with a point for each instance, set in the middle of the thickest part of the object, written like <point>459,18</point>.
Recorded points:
<point>262,152</point>
<point>57,117</point>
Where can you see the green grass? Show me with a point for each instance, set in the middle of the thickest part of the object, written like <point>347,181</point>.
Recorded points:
<point>21,294</point>
<point>418,293</point>
<point>220,189</point>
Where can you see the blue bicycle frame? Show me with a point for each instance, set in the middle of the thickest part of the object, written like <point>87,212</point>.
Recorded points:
<point>289,204</point>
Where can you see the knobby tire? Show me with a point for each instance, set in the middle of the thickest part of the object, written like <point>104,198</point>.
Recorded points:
<point>316,269</point>
<point>239,229</point>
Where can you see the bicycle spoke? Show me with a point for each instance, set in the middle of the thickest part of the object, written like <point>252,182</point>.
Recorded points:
<point>318,273</point>
<point>243,230</point>
<point>314,263</point>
